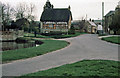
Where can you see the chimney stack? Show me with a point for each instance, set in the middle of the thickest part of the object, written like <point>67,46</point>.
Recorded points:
<point>69,7</point>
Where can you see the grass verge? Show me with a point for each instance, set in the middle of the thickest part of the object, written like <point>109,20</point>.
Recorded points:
<point>102,68</point>
<point>113,39</point>
<point>47,46</point>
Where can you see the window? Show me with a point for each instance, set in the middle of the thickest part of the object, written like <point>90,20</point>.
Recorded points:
<point>50,26</point>
<point>54,26</point>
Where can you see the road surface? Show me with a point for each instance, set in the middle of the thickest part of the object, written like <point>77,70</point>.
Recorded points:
<point>86,46</point>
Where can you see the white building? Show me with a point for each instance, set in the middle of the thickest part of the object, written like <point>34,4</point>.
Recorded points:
<point>99,27</point>
<point>91,27</point>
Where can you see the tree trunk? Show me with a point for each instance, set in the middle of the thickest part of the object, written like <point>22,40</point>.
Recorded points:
<point>115,32</point>
<point>35,33</point>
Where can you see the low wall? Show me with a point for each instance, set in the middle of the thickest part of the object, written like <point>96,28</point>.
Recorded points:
<point>11,35</point>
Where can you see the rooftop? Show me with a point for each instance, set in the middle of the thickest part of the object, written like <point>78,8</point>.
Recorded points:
<point>110,13</point>
<point>56,15</point>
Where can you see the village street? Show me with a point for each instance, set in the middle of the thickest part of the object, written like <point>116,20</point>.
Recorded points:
<point>87,46</point>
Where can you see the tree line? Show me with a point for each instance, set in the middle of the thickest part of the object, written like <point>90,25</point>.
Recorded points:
<point>17,17</point>
<point>115,24</point>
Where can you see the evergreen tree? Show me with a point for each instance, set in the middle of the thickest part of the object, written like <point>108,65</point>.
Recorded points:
<point>115,24</point>
<point>72,30</point>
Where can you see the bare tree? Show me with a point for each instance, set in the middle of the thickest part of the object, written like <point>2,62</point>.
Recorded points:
<point>6,12</point>
<point>20,10</point>
<point>25,11</point>
<point>0,16</point>
<point>3,15</point>
<point>31,9</point>
<point>9,13</point>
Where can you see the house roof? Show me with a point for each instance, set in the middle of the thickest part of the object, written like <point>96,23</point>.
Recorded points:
<point>92,23</point>
<point>110,13</point>
<point>97,21</point>
<point>56,15</point>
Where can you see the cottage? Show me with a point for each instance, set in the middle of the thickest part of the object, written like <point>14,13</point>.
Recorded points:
<point>91,27</point>
<point>55,19</point>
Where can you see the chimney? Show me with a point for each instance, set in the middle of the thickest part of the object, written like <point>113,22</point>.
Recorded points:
<point>69,7</point>
<point>48,1</point>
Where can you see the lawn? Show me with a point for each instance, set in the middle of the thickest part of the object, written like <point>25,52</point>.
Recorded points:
<point>54,36</point>
<point>47,46</point>
<point>113,39</point>
<point>102,68</point>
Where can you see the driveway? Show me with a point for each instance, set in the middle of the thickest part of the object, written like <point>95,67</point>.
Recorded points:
<point>86,46</point>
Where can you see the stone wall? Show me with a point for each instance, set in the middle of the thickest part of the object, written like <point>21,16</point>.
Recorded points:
<point>11,35</point>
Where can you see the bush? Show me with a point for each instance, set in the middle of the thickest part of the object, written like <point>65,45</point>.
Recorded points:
<point>52,33</point>
<point>102,34</point>
<point>72,30</point>
<point>22,40</point>
<point>38,42</point>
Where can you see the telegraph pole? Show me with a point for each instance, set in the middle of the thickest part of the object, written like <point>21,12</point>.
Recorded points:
<point>103,16</point>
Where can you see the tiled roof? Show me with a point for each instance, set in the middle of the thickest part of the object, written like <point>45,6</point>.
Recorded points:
<point>92,23</point>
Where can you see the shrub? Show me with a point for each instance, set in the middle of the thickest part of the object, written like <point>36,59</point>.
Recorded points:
<point>102,34</point>
<point>22,40</point>
<point>72,30</point>
<point>52,33</point>
<point>38,42</point>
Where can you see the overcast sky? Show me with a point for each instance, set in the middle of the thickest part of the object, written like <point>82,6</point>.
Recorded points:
<point>79,8</point>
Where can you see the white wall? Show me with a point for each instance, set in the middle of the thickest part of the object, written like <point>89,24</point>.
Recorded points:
<point>99,27</point>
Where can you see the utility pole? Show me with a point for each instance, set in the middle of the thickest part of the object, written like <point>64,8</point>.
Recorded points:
<point>0,17</point>
<point>103,16</point>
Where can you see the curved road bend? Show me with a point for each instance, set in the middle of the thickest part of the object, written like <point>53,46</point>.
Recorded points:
<point>86,46</point>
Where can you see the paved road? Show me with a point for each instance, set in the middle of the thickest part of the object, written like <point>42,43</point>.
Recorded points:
<point>86,46</point>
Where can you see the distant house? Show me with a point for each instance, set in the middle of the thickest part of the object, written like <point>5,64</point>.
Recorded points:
<point>91,27</point>
<point>55,19</point>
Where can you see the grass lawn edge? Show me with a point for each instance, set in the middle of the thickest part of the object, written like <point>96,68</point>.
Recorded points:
<point>93,67</point>
<point>112,39</point>
<point>11,61</point>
